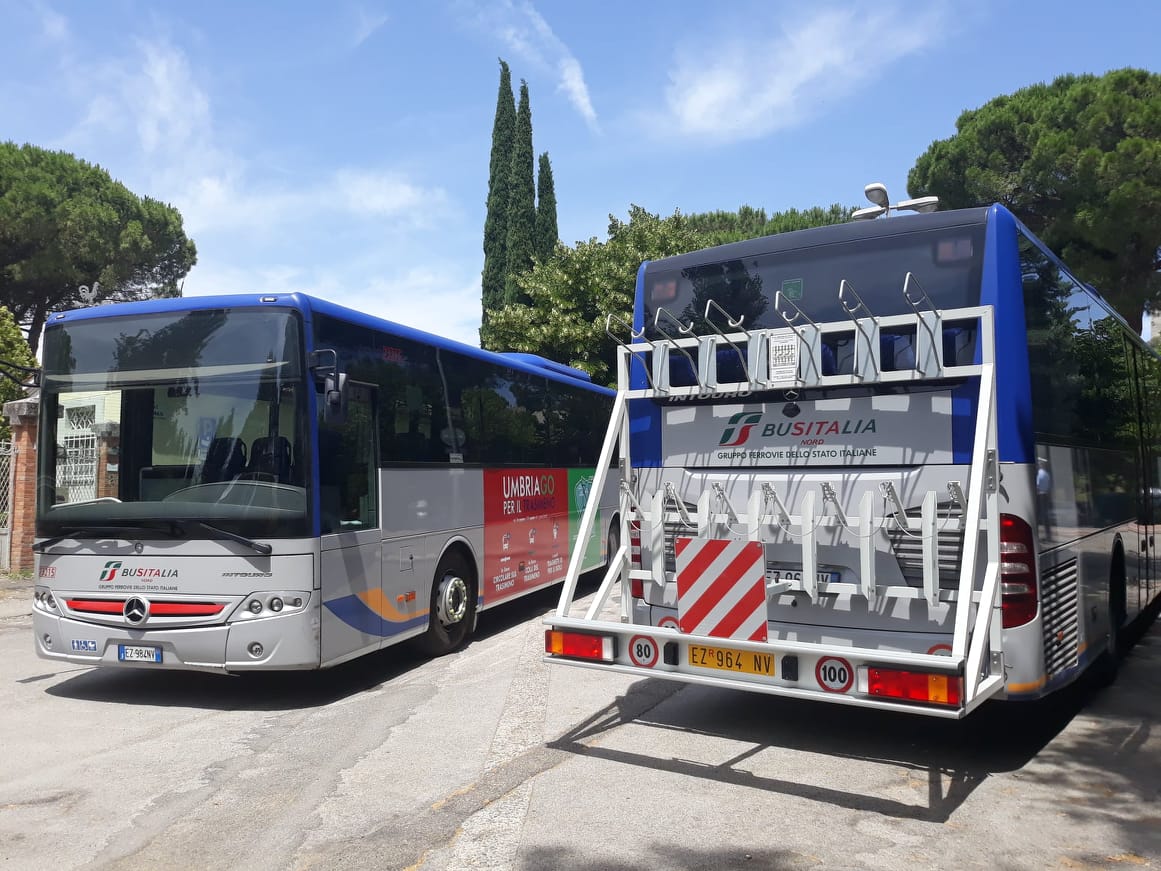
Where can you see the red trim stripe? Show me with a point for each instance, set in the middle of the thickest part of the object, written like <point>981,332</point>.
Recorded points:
<point>95,606</point>
<point>157,609</point>
<point>184,609</point>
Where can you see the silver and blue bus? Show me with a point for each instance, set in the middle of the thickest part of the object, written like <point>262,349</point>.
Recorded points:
<point>238,483</point>
<point>910,463</point>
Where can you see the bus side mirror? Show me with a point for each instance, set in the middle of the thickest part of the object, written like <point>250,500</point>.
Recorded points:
<point>335,398</point>
<point>324,364</point>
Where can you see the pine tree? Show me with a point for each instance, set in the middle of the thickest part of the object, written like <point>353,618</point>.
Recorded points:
<point>521,202</point>
<point>496,222</point>
<point>547,232</point>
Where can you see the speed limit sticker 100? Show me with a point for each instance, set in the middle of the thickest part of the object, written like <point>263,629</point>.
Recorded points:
<point>834,674</point>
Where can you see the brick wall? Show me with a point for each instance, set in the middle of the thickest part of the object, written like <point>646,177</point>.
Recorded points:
<point>22,418</point>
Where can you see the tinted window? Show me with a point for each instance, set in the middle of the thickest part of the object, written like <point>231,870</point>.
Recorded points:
<point>945,262</point>
<point>439,406</point>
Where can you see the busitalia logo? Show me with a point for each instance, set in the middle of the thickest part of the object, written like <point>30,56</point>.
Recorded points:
<point>110,571</point>
<point>739,428</point>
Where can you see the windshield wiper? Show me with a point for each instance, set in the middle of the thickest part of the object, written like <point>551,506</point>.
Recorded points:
<point>258,546</point>
<point>173,531</point>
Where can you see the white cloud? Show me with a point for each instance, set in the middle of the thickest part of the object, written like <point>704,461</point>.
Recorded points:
<point>347,233</point>
<point>152,108</point>
<point>773,78</point>
<point>172,111</point>
<point>527,35</point>
<point>54,25</point>
<point>383,193</point>
<point>228,203</point>
<point>366,25</point>
<point>439,301</point>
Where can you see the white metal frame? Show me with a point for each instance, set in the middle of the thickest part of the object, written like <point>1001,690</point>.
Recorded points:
<point>790,358</point>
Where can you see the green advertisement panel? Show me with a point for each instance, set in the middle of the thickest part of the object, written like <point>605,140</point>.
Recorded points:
<point>580,485</point>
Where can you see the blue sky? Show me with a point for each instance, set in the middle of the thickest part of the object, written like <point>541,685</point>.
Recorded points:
<point>341,149</point>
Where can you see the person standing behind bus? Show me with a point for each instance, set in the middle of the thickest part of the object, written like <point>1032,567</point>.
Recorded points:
<point>1044,495</point>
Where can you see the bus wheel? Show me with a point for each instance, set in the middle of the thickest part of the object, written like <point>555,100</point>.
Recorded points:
<point>1106,667</point>
<point>613,540</point>
<point>453,606</point>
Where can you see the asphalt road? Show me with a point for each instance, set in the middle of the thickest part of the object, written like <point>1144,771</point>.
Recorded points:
<point>491,759</point>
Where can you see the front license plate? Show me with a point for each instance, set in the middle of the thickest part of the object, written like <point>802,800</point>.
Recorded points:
<point>740,661</point>
<point>796,575</point>
<point>133,653</point>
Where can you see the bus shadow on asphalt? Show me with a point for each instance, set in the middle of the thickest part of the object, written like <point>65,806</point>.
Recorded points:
<point>286,690</point>
<point>953,757</point>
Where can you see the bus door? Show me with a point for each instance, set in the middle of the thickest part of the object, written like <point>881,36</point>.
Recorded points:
<point>348,476</point>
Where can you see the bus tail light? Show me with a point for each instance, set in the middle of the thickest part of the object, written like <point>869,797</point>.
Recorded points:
<point>1019,599</point>
<point>579,645</point>
<point>915,686</point>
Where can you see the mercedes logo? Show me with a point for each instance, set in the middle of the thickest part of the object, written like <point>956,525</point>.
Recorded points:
<point>136,610</point>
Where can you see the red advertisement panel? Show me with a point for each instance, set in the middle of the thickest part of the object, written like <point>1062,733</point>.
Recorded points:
<point>525,530</point>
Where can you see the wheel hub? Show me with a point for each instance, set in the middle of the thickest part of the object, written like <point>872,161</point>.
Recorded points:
<point>451,604</point>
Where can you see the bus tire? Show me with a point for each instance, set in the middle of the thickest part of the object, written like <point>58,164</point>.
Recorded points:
<point>1109,663</point>
<point>452,614</point>
<point>613,540</point>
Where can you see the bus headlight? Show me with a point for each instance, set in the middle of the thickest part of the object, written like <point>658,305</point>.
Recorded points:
<point>262,604</point>
<point>43,599</point>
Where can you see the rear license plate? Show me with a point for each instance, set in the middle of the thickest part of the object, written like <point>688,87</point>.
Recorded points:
<point>740,661</point>
<point>134,653</point>
<point>796,575</point>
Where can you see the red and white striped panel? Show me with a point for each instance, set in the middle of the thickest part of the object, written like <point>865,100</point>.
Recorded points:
<point>721,588</point>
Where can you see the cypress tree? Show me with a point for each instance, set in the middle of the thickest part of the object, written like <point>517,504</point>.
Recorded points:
<point>547,232</point>
<point>521,201</point>
<point>496,221</point>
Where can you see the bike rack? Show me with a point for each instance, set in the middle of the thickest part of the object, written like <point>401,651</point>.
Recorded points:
<point>790,358</point>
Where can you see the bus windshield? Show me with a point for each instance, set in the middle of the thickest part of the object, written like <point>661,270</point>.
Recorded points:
<point>184,424</point>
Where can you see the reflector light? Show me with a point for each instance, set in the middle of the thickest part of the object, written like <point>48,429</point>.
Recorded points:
<point>579,645</point>
<point>635,543</point>
<point>915,686</point>
<point>637,588</point>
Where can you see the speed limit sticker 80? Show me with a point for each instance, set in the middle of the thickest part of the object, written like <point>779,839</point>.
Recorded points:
<point>643,651</point>
<point>834,674</point>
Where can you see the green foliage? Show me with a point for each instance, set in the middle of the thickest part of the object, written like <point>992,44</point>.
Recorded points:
<point>65,223</point>
<point>570,294</point>
<point>521,202</point>
<point>496,221</point>
<point>1079,162</point>
<point>13,350</point>
<point>547,232</point>
<point>718,228</point>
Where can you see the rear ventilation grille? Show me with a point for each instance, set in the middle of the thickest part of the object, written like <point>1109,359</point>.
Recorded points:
<point>1058,603</point>
<point>908,546</point>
